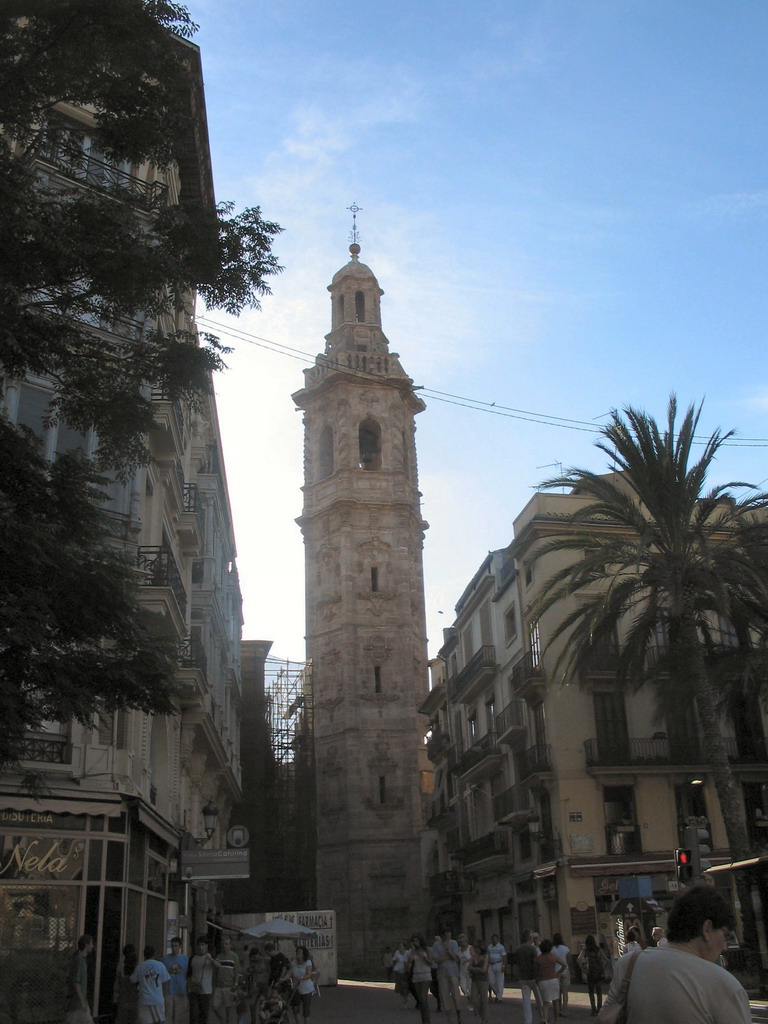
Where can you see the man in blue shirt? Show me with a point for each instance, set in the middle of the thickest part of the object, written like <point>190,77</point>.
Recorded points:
<point>176,1002</point>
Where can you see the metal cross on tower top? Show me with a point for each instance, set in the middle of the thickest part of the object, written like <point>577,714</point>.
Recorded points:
<point>354,235</point>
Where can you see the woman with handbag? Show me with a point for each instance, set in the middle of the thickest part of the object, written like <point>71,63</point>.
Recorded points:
<point>593,964</point>
<point>478,978</point>
<point>421,974</point>
<point>681,981</point>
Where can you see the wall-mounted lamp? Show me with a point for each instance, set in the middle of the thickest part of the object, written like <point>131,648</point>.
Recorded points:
<point>210,818</point>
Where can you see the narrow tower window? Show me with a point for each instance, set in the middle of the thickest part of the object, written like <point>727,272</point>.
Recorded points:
<point>369,441</point>
<point>340,308</point>
<point>325,454</point>
<point>382,789</point>
<point>360,307</point>
<point>377,678</point>
<point>374,579</point>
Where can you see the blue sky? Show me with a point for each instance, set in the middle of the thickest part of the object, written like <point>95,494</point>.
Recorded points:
<point>565,202</point>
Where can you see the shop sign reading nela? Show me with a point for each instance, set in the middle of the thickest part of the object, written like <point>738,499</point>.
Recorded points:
<point>41,857</point>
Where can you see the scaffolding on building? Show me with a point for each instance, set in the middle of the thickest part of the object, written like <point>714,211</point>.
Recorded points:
<point>291,809</point>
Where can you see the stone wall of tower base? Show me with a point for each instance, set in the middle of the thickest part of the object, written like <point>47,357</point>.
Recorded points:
<point>378,897</point>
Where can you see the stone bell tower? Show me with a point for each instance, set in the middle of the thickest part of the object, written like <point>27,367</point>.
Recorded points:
<point>366,634</point>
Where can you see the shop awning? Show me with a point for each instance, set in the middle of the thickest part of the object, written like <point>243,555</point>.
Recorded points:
<point>225,928</point>
<point>545,871</point>
<point>610,866</point>
<point>48,805</point>
<point>738,865</point>
<point>151,820</point>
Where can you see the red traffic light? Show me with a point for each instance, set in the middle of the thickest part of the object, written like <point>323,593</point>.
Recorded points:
<point>683,866</point>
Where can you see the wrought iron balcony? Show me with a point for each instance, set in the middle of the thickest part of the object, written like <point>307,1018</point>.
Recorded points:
<point>512,722</point>
<point>446,883</point>
<point>169,433</point>
<point>192,654</point>
<point>453,841</point>
<point>481,758</point>
<point>475,674</point>
<point>190,497</point>
<point>441,813</point>
<point>528,678</point>
<point>161,571</point>
<point>107,178</point>
<point>514,802</point>
<point>536,760</point>
<point>493,844</point>
<point>438,745</point>
<point>603,661</point>
<point>622,839</point>
<point>662,750</point>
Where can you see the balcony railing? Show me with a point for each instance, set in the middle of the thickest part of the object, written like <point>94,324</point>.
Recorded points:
<point>48,747</point>
<point>486,747</point>
<point>192,654</point>
<point>603,660</point>
<point>515,800</point>
<point>161,571</point>
<point>663,751</point>
<point>445,883</point>
<point>536,759</point>
<point>107,178</point>
<point>482,659</point>
<point>526,672</point>
<point>438,745</point>
<point>493,844</point>
<point>514,716</point>
<point>621,839</point>
<point>190,497</point>
<point>453,840</point>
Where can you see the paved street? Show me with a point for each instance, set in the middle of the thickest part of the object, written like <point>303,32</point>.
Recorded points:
<point>368,1002</point>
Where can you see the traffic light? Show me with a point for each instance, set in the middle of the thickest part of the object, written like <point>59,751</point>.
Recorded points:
<point>698,840</point>
<point>683,867</point>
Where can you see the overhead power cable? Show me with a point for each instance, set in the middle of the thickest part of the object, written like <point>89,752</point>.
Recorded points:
<point>476,404</point>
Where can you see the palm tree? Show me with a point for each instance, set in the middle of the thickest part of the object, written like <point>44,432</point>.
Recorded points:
<point>656,557</point>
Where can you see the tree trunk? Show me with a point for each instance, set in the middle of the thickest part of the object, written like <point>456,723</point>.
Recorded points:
<point>729,795</point>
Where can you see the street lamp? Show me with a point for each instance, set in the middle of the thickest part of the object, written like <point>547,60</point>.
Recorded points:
<point>210,817</point>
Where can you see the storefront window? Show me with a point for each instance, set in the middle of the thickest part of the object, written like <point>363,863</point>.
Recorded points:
<point>156,924</point>
<point>36,928</point>
<point>94,860</point>
<point>136,858</point>
<point>115,862</point>
<point>133,919</point>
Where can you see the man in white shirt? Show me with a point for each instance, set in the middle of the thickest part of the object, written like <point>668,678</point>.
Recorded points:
<point>497,961</point>
<point>152,978</point>
<point>682,981</point>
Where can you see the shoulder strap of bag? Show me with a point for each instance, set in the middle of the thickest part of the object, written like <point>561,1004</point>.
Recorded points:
<point>624,989</point>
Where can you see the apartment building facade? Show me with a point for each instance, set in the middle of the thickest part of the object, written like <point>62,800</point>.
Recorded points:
<point>96,847</point>
<point>554,796</point>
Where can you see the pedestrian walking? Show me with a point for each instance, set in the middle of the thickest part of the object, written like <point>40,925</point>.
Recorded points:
<point>176,1002</point>
<point>77,1010</point>
<point>152,978</point>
